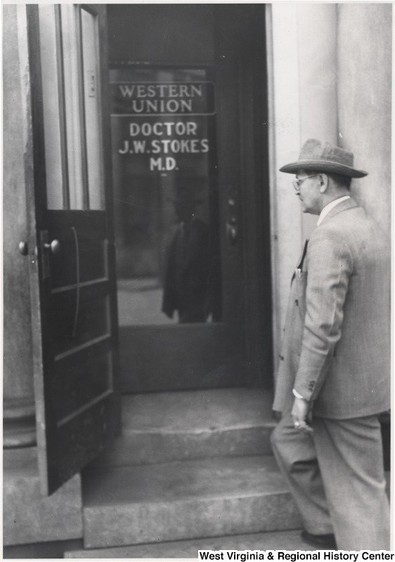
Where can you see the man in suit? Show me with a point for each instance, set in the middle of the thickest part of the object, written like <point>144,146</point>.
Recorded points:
<point>334,370</point>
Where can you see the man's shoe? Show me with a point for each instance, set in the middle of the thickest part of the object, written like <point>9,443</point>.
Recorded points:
<point>320,541</point>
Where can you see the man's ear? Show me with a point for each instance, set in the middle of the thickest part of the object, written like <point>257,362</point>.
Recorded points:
<point>324,182</point>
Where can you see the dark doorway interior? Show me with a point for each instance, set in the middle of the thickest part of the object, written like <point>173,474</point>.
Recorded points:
<point>188,116</point>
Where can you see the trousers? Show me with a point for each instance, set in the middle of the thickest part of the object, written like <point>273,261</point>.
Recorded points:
<point>336,477</point>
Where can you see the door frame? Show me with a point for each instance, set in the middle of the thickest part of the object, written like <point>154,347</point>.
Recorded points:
<point>255,191</point>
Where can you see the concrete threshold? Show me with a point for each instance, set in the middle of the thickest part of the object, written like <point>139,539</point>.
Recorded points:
<point>183,500</point>
<point>169,426</point>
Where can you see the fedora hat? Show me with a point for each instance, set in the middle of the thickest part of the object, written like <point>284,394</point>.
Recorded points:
<point>324,157</point>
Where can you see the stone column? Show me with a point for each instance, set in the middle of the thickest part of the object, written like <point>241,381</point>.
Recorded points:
<point>286,220</point>
<point>18,405</point>
<point>317,48</point>
<point>303,104</point>
<point>365,98</point>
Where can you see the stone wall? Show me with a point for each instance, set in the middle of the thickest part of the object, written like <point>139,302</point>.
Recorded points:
<point>18,366</point>
<point>364,99</point>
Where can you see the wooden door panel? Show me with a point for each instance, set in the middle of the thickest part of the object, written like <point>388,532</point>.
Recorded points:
<point>80,379</point>
<point>82,236</point>
<point>81,439</point>
<point>92,309</point>
<point>92,260</point>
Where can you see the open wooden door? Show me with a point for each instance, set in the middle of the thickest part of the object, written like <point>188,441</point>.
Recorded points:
<point>70,246</point>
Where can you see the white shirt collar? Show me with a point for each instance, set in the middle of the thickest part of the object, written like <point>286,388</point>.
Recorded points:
<point>329,208</point>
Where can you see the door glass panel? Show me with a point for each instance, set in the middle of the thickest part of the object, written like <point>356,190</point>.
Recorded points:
<point>71,107</point>
<point>49,69</point>
<point>166,195</point>
<point>92,109</point>
<point>71,65</point>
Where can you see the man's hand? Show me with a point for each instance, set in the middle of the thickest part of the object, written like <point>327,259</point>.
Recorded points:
<point>299,413</point>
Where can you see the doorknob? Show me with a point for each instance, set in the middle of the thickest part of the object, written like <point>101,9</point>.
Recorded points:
<point>53,246</point>
<point>47,248</point>
<point>23,248</point>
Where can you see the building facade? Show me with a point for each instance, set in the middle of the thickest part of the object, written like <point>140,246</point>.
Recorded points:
<point>149,239</point>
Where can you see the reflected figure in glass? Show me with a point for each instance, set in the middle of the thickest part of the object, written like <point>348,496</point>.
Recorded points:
<point>188,287</point>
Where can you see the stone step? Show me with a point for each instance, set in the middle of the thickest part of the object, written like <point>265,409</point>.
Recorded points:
<point>185,500</point>
<point>278,540</point>
<point>169,426</point>
<point>30,517</point>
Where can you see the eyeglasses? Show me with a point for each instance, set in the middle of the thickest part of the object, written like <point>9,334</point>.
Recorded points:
<point>297,183</point>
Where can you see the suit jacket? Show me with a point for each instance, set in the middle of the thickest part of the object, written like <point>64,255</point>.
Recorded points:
<point>336,341</point>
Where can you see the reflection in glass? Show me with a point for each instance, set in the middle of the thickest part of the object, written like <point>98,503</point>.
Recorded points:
<point>189,283</point>
<point>166,198</point>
